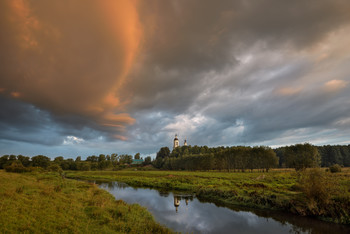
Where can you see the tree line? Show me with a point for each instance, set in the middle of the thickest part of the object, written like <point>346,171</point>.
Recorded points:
<point>329,155</point>
<point>101,162</point>
<point>236,158</point>
<point>241,158</point>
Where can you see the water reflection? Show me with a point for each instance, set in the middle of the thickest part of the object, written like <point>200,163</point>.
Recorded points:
<point>178,198</point>
<point>185,213</point>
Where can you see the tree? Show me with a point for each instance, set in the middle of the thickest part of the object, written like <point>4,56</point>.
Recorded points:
<point>164,152</point>
<point>101,158</point>
<point>83,166</point>
<point>78,159</point>
<point>301,156</point>
<point>58,160</point>
<point>92,158</point>
<point>158,163</point>
<point>24,160</point>
<point>40,161</point>
<point>137,156</point>
<point>3,161</point>
<point>125,159</point>
<point>148,160</point>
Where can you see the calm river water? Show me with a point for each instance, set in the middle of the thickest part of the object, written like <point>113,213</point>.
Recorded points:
<point>185,213</point>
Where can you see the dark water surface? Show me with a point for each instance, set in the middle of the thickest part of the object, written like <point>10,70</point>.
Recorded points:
<point>185,213</point>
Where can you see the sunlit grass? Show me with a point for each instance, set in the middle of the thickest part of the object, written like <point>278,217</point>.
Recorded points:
<point>46,203</point>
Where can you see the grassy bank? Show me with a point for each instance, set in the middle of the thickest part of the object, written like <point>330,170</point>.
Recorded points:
<point>46,203</point>
<point>323,195</point>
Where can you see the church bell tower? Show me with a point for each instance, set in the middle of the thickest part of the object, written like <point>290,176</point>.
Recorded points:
<point>176,142</point>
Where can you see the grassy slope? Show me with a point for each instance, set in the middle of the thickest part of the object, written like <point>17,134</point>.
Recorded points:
<point>274,190</point>
<point>45,203</point>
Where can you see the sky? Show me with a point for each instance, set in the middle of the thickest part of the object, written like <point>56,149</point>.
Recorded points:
<point>86,77</point>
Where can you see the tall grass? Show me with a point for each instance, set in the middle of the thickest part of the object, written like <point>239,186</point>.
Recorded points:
<point>46,203</point>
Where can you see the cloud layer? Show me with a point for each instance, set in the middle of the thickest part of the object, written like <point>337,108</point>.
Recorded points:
<point>128,75</point>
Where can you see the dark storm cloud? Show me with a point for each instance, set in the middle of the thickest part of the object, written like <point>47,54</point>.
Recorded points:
<point>21,121</point>
<point>247,69</point>
<point>186,40</point>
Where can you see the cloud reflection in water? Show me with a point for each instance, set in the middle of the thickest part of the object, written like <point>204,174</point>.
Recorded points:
<point>196,217</point>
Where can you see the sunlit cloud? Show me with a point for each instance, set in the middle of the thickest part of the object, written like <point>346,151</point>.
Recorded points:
<point>335,85</point>
<point>71,140</point>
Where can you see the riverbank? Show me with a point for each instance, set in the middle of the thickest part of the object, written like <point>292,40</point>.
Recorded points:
<point>46,203</point>
<point>323,195</point>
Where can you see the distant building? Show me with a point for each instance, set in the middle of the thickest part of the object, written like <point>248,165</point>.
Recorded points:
<point>177,143</point>
<point>137,161</point>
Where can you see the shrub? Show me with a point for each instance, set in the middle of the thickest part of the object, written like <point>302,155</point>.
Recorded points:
<point>54,167</point>
<point>16,166</point>
<point>316,186</point>
<point>335,168</point>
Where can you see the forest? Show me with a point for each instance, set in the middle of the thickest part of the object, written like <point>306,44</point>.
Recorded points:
<point>196,158</point>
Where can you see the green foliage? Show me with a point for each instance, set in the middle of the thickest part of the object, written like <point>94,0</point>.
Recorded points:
<point>3,161</point>
<point>40,161</point>
<point>158,163</point>
<point>83,166</point>
<point>330,154</point>
<point>148,160</point>
<point>24,160</point>
<point>17,167</point>
<point>220,158</point>
<point>164,152</point>
<point>137,156</point>
<point>55,168</point>
<point>323,195</point>
<point>301,156</point>
<point>335,168</point>
<point>315,185</point>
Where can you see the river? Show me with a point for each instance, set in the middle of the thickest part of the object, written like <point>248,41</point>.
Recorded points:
<point>185,213</point>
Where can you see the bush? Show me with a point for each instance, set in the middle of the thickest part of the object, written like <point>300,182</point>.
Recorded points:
<point>316,186</point>
<point>17,167</point>
<point>335,168</point>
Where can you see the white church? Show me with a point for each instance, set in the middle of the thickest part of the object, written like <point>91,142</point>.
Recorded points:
<point>177,143</point>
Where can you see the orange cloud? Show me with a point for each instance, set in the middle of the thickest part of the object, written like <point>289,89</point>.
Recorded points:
<point>16,94</point>
<point>71,60</point>
<point>26,22</point>
<point>120,137</point>
<point>335,85</point>
<point>289,91</point>
<point>126,27</point>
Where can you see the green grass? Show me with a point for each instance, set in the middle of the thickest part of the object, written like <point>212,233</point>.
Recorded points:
<point>276,190</point>
<point>46,203</point>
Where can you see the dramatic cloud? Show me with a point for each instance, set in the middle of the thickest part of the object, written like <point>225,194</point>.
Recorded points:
<point>126,76</point>
<point>70,58</point>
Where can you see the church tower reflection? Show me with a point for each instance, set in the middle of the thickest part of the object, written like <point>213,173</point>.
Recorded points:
<point>176,202</point>
<point>177,199</point>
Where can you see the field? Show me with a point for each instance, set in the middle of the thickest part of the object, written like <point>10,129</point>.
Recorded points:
<point>311,193</point>
<point>46,203</point>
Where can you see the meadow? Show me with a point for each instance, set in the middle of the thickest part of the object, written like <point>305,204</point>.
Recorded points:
<point>313,192</point>
<point>44,202</point>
